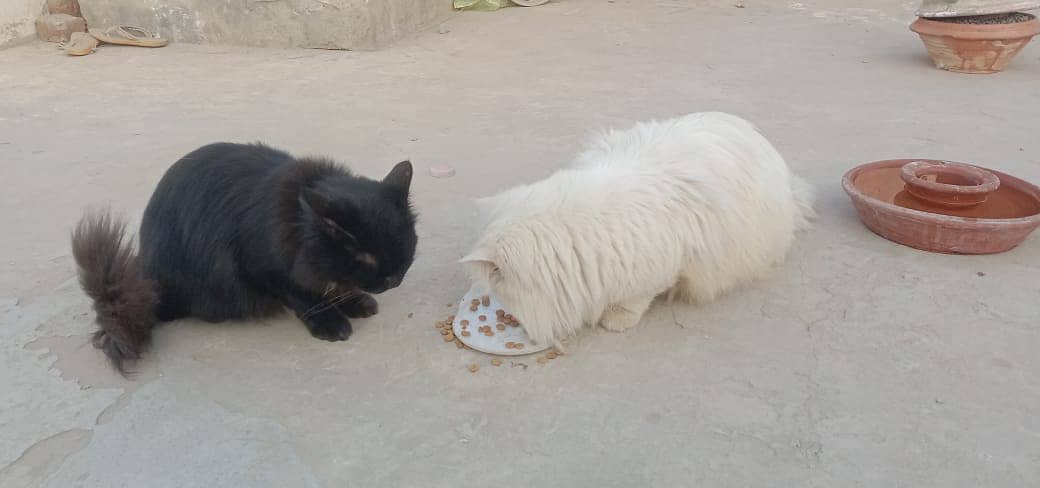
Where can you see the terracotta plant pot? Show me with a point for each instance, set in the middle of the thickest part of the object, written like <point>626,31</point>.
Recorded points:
<point>884,203</point>
<point>974,48</point>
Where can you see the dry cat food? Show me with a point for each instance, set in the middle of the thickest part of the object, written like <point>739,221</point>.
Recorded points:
<point>496,362</point>
<point>473,368</point>
<point>490,333</point>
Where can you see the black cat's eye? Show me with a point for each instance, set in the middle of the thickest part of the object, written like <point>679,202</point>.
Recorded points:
<point>340,233</point>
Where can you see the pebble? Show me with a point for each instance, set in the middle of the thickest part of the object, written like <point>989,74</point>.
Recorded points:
<point>442,171</point>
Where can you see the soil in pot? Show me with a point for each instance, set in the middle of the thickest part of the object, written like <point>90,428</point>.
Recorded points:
<point>1012,18</point>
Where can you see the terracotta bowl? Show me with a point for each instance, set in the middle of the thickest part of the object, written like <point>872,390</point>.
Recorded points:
<point>974,48</point>
<point>1001,222</point>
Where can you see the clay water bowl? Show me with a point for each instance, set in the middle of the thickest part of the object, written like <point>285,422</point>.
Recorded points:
<point>942,206</point>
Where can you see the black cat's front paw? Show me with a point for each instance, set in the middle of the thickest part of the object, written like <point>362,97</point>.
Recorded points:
<point>360,306</point>
<point>329,327</point>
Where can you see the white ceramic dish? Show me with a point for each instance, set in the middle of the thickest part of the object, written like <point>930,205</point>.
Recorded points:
<point>495,344</point>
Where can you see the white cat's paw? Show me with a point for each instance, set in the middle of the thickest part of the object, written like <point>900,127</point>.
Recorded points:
<point>623,316</point>
<point>619,319</point>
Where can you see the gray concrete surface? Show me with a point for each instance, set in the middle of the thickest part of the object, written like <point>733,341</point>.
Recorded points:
<point>859,363</point>
<point>323,24</point>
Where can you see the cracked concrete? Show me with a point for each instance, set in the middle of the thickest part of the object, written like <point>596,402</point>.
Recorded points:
<point>857,363</point>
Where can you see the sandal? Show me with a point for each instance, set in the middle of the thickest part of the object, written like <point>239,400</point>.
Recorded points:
<point>79,44</point>
<point>126,35</point>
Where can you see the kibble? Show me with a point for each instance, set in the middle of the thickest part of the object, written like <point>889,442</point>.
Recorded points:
<point>459,344</point>
<point>500,326</point>
<point>483,318</point>
<point>445,331</point>
<point>473,308</point>
<point>485,300</point>
<point>449,338</point>
<point>542,360</point>
<point>473,368</point>
<point>496,362</point>
<point>551,354</point>
<point>464,323</point>
<point>465,333</point>
<point>500,313</point>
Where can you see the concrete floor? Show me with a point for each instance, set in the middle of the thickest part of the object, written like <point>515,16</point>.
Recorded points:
<point>858,363</point>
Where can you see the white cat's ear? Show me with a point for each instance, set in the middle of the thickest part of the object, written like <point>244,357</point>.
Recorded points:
<point>479,255</point>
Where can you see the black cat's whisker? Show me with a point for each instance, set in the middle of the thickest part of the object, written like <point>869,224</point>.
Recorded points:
<point>325,305</point>
<point>331,287</point>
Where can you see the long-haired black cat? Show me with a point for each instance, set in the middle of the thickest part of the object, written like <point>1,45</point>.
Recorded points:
<point>237,231</point>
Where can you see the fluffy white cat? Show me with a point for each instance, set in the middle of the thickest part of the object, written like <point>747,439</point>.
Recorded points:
<point>692,206</point>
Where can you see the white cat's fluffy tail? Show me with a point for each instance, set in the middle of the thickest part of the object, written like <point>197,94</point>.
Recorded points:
<point>804,199</point>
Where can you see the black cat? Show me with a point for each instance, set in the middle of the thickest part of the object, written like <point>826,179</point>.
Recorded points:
<point>236,231</point>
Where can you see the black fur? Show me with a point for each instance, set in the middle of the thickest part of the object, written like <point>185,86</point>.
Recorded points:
<point>238,231</point>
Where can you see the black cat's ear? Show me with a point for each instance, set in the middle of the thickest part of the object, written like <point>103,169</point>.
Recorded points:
<point>317,202</point>
<point>400,177</point>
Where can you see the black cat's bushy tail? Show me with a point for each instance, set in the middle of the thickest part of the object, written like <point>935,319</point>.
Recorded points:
<point>125,302</point>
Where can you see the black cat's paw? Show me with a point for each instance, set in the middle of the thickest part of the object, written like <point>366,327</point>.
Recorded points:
<point>329,327</point>
<point>360,306</point>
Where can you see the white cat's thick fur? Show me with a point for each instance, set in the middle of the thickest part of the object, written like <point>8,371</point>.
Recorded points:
<point>693,206</point>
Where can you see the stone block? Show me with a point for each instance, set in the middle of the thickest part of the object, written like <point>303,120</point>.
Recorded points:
<point>322,24</point>
<point>58,27</point>
<point>67,7</point>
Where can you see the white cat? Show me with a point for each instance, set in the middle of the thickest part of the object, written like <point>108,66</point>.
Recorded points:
<point>693,206</point>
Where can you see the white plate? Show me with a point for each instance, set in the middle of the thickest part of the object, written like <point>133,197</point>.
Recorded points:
<point>495,344</point>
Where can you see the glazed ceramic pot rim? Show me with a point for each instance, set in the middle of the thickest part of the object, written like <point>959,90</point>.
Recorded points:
<point>850,188</point>
<point>913,171</point>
